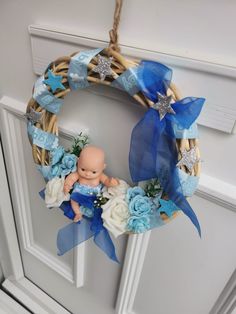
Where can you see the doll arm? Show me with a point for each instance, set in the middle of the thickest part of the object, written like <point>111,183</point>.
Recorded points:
<point>69,181</point>
<point>108,181</point>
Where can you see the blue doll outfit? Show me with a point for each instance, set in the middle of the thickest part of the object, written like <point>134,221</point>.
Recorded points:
<point>84,195</point>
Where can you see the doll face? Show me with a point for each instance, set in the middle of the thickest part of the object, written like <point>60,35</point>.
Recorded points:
<point>91,164</point>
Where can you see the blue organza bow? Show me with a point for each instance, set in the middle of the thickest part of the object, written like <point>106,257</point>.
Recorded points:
<point>73,234</point>
<point>153,152</point>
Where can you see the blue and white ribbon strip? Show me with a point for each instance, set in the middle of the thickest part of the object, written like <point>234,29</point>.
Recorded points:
<point>188,183</point>
<point>41,138</point>
<point>180,132</point>
<point>78,68</point>
<point>45,171</point>
<point>46,99</point>
<point>128,81</point>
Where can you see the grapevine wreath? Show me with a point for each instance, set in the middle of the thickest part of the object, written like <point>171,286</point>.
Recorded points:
<point>164,157</point>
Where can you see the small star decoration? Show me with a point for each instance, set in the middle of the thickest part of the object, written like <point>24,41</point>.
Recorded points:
<point>189,158</point>
<point>163,105</point>
<point>103,67</point>
<point>168,207</point>
<point>54,81</point>
<point>34,116</point>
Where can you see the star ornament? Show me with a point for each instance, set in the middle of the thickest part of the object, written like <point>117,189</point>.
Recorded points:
<point>163,105</point>
<point>54,81</point>
<point>103,67</point>
<point>167,207</point>
<point>34,116</point>
<point>189,158</point>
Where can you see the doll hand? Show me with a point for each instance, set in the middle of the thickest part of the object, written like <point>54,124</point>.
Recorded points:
<point>66,188</point>
<point>112,182</point>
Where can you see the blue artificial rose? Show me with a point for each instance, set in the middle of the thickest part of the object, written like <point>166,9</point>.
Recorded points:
<point>55,171</point>
<point>68,164</point>
<point>140,206</point>
<point>132,192</point>
<point>138,224</point>
<point>56,155</point>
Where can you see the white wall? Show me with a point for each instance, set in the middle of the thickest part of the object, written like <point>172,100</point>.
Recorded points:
<point>194,29</point>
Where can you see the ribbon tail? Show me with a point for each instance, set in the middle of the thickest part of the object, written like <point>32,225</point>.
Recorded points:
<point>103,240</point>
<point>183,204</point>
<point>72,235</point>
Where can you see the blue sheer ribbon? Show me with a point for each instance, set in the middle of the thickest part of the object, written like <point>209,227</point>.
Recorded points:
<point>73,234</point>
<point>153,152</point>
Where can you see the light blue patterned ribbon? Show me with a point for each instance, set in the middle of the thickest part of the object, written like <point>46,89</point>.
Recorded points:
<point>41,138</point>
<point>78,68</point>
<point>188,183</point>
<point>45,171</point>
<point>180,132</point>
<point>128,81</point>
<point>46,99</point>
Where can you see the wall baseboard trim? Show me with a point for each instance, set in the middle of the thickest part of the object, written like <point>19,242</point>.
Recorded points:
<point>10,306</point>
<point>33,297</point>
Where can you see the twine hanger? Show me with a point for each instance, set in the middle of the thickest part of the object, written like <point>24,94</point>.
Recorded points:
<point>113,33</point>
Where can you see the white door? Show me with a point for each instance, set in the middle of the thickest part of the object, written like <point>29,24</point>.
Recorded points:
<point>167,271</point>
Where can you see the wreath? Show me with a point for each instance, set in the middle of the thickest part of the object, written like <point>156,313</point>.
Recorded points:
<point>164,158</point>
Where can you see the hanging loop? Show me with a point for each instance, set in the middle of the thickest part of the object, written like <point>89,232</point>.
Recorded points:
<point>114,31</point>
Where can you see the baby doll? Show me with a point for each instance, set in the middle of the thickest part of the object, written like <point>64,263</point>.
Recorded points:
<point>89,178</point>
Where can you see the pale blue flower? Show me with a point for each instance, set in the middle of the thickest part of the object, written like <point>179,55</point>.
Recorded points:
<point>68,164</point>
<point>140,206</point>
<point>132,192</point>
<point>56,155</point>
<point>138,224</point>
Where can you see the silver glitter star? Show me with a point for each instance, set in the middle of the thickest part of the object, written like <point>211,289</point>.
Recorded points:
<point>34,116</point>
<point>163,105</point>
<point>189,158</point>
<point>103,67</point>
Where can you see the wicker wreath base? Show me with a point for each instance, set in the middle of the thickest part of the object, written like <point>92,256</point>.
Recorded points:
<point>119,65</point>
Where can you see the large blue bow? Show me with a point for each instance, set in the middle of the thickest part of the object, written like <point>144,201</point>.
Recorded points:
<point>73,234</point>
<point>153,152</point>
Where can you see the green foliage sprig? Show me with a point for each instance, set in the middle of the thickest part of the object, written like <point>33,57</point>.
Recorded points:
<point>79,142</point>
<point>152,188</point>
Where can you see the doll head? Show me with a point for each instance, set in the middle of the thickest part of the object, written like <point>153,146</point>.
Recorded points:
<point>91,162</point>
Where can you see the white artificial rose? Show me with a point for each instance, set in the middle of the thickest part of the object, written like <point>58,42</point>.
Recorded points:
<point>54,195</point>
<point>115,215</point>
<point>118,190</point>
